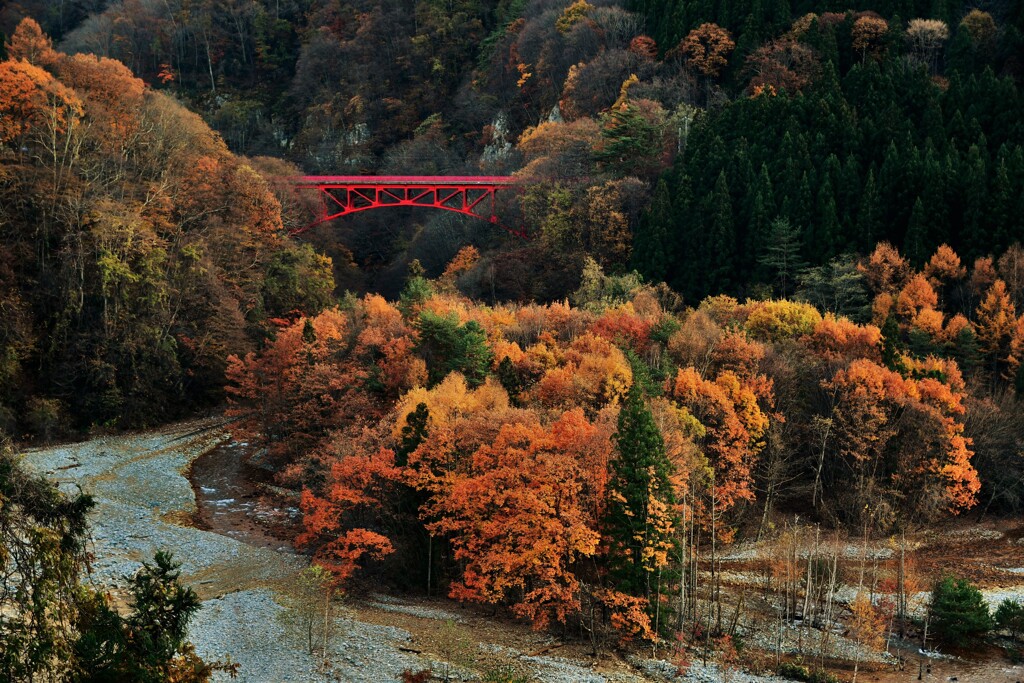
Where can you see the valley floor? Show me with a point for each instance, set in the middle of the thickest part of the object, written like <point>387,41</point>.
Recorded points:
<point>247,577</point>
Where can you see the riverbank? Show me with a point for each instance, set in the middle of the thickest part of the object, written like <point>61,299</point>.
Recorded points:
<point>145,503</point>
<point>247,576</point>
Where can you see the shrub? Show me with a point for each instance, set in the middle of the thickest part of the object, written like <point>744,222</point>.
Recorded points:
<point>822,676</point>
<point>797,672</point>
<point>46,418</point>
<point>504,674</point>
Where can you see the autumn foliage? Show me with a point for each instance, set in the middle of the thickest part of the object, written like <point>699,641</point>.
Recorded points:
<point>553,458</point>
<point>559,478</point>
<point>179,257</point>
<point>522,516</point>
<point>707,48</point>
<point>33,105</point>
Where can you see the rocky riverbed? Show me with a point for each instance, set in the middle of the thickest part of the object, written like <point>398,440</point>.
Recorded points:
<point>144,502</point>
<point>248,579</point>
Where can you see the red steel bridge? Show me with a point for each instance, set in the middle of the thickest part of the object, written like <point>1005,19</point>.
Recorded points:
<point>339,196</point>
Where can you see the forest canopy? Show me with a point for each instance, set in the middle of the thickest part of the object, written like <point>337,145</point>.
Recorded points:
<point>891,120</point>
<point>774,266</point>
<point>136,252</point>
<point>555,458</point>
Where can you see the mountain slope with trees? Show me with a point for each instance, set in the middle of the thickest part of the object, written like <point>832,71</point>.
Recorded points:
<point>775,268</point>
<point>136,252</point>
<point>895,121</point>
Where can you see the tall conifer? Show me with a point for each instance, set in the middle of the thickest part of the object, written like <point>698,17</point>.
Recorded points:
<point>640,494</point>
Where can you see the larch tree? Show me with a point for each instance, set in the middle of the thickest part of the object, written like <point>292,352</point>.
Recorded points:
<point>729,425</point>
<point>886,271</point>
<point>300,387</point>
<point>863,427</point>
<point>29,43</point>
<point>707,48</point>
<point>867,627</point>
<point>944,268</point>
<point>900,441</point>
<point>995,321</point>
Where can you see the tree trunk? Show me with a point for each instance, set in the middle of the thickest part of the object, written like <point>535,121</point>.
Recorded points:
<point>901,588</point>
<point>327,626</point>
<point>682,569</point>
<point>821,460</point>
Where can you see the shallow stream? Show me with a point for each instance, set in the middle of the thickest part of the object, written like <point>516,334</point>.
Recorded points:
<point>232,498</point>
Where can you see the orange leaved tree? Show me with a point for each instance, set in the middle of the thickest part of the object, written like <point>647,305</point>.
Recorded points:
<point>522,516</point>
<point>707,49</point>
<point>29,43</point>
<point>299,387</point>
<point>899,441</point>
<point>34,106</point>
<point>730,426</point>
<point>357,488</point>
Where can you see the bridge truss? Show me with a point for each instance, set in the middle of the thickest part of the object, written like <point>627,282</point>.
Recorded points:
<point>339,196</point>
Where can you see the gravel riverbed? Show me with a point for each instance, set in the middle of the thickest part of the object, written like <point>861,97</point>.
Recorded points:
<point>144,503</point>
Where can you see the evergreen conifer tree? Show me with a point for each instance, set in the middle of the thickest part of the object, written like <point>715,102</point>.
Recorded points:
<point>780,253</point>
<point>759,216</point>
<point>651,244</point>
<point>825,225</point>
<point>869,222</point>
<point>721,241</point>
<point>916,245</point>
<point>639,487</point>
<point>958,611</point>
<point>1001,204</point>
<point>975,199</point>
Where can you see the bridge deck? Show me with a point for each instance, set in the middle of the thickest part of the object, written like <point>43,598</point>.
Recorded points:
<point>407,180</point>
